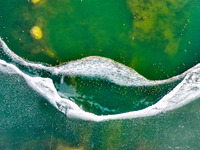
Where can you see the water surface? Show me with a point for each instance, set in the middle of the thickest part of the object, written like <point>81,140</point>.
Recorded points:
<point>95,102</point>
<point>157,44</point>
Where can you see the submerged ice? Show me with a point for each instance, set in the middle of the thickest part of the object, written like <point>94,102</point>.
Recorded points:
<point>95,86</point>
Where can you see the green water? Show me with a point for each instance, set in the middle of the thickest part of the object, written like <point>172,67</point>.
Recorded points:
<point>157,44</point>
<point>102,97</point>
<point>159,39</point>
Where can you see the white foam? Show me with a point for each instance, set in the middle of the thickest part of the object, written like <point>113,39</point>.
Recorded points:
<point>185,92</point>
<point>93,66</point>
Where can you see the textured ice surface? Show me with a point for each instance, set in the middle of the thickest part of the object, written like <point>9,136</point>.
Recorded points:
<point>27,119</point>
<point>186,91</point>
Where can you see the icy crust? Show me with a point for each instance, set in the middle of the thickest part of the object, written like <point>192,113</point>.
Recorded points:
<point>186,91</point>
<point>93,66</point>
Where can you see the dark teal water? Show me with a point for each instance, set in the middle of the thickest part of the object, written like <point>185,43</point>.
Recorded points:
<point>102,97</point>
<point>29,122</point>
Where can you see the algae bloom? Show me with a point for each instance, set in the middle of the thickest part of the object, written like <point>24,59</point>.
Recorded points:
<point>36,32</point>
<point>35,1</point>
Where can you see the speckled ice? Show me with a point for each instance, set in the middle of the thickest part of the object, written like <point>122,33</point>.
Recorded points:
<point>97,67</point>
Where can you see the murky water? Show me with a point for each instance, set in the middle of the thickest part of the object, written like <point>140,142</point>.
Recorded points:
<point>158,39</point>
<point>157,44</point>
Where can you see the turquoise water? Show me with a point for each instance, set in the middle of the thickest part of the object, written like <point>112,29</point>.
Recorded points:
<point>29,122</point>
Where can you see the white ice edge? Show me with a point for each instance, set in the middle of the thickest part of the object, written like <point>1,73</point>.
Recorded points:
<point>185,92</point>
<point>92,66</point>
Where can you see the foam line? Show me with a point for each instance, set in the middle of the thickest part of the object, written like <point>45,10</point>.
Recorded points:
<point>186,91</point>
<point>93,66</point>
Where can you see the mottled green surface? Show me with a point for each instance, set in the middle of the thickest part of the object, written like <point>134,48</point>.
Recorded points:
<point>156,38</point>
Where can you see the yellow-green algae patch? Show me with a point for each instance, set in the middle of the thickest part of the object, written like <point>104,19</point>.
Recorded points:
<point>35,1</point>
<point>167,31</point>
<point>159,21</point>
<point>36,32</point>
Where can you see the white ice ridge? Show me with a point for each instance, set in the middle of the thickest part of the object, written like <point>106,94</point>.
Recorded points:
<point>93,66</point>
<point>186,91</point>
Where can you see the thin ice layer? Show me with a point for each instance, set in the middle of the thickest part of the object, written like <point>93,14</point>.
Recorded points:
<point>187,91</point>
